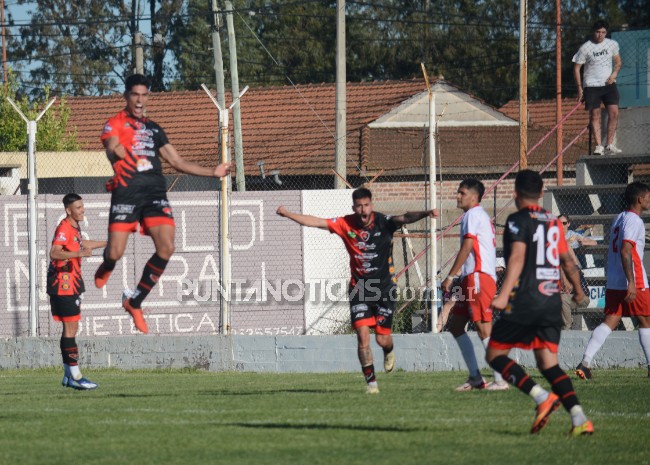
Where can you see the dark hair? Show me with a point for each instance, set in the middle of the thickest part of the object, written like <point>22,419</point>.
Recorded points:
<point>566,216</point>
<point>69,199</point>
<point>601,23</point>
<point>136,80</point>
<point>633,191</point>
<point>529,184</point>
<point>475,185</point>
<point>361,193</point>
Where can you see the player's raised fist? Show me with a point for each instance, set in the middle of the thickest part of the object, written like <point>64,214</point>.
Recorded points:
<point>282,211</point>
<point>222,170</point>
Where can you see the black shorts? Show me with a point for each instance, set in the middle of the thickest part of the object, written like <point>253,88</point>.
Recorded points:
<point>607,94</point>
<point>509,335</point>
<point>66,307</point>
<point>144,205</point>
<point>373,306</point>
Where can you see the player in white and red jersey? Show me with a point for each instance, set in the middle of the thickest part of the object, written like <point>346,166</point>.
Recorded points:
<point>368,239</point>
<point>475,264</point>
<point>626,292</point>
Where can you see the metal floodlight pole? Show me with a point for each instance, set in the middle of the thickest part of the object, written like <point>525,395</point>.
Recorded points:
<point>226,271</point>
<point>32,217</point>
<point>433,247</point>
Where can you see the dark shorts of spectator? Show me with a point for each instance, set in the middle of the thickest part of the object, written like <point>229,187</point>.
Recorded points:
<point>607,94</point>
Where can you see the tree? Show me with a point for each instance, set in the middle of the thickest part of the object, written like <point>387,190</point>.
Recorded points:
<point>81,47</point>
<point>51,135</point>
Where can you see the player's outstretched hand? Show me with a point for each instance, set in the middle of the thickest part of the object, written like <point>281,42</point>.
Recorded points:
<point>282,211</point>
<point>434,213</point>
<point>222,170</point>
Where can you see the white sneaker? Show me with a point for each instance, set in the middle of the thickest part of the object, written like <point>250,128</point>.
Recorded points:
<point>372,388</point>
<point>611,149</point>
<point>497,386</point>
<point>471,384</point>
<point>599,150</point>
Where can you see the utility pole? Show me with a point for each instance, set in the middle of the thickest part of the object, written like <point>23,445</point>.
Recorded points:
<point>341,99</point>
<point>523,84</point>
<point>240,179</point>
<point>558,92</point>
<point>139,52</point>
<point>32,216</point>
<point>216,51</point>
<point>4,41</point>
<point>225,245</point>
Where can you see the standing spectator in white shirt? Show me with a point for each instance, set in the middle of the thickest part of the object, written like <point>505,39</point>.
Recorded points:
<point>598,83</point>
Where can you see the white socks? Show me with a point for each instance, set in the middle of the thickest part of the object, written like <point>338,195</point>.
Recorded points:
<point>497,376</point>
<point>644,339</point>
<point>578,416</point>
<point>538,393</point>
<point>596,341</point>
<point>467,350</point>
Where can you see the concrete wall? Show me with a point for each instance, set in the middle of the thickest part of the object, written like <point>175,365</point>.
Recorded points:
<point>293,354</point>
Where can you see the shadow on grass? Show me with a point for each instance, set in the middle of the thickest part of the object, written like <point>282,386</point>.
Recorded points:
<point>214,392</point>
<point>325,426</point>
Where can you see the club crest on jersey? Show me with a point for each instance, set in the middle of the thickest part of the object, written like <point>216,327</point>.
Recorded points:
<point>548,288</point>
<point>365,235</point>
<point>513,227</point>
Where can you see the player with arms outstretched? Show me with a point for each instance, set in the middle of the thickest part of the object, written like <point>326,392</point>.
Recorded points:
<point>368,238</point>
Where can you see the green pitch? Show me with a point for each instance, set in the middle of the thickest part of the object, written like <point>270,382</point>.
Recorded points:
<point>191,417</point>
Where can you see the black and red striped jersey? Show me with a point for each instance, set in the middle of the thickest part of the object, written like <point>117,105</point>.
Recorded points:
<point>538,287</point>
<point>64,276</point>
<point>370,248</point>
<point>142,139</point>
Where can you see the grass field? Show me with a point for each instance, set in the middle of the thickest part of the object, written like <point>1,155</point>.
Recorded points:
<point>192,417</point>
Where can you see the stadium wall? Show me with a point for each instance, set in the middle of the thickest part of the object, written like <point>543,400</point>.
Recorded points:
<point>292,354</point>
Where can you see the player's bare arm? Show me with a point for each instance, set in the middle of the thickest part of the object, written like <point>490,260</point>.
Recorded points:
<point>88,244</point>
<point>171,156</point>
<point>412,217</point>
<point>617,66</point>
<point>628,269</point>
<point>454,271</point>
<point>572,273</point>
<point>304,220</point>
<point>114,149</point>
<point>57,253</point>
<point>514,267</point>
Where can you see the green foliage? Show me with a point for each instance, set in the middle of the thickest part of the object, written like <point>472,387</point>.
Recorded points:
<point>51,134</point>
<point>472,44</point>
<point>181,417</point>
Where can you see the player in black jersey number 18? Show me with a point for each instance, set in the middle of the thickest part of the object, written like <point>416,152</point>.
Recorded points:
<point>535,248</point>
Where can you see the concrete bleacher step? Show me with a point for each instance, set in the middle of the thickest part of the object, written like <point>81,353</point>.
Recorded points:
<point>607,169</point>
<point>585,200</point>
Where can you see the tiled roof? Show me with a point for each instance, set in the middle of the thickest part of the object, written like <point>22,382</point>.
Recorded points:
<point>541,113</point>
<point>289,128</point>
